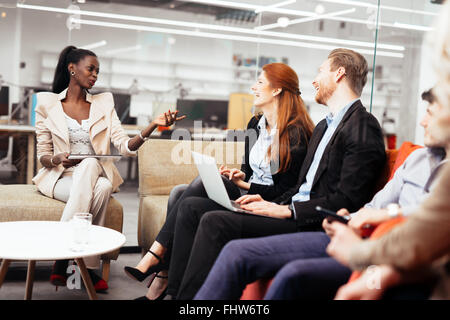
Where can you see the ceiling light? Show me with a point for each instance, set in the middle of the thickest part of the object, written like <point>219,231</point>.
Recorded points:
<point>276,5</point>
<point>248,6</point>
<point>308,13</point>
<point>123,50</point>
<point>320,9</point>
<point>230,37</point>
<point>283,22</point>
<point>307,19</point>
<point>373,23</point>
<point>371,5</point>
<point>412,26</point>
<point>94,45</point>
<point>171,41</point>
<point>216,27</point>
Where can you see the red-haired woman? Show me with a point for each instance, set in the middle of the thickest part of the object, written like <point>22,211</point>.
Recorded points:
<point>271,166</point>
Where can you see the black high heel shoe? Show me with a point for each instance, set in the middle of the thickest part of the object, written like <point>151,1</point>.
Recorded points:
<point>161,296</point>
<point>136,274</point>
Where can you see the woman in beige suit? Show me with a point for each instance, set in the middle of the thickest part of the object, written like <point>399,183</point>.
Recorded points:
<point>72,121</point>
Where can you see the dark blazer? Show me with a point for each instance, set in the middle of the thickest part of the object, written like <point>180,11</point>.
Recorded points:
<point>281,181</point>
<point>350,165</point>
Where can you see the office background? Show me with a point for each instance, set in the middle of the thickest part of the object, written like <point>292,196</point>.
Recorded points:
<point>202,56</point>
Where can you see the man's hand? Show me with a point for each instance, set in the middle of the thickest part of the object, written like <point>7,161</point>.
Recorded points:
<point>368,216</point>
<point>363,289</point>
<point>359,290</point>
<point>343,240</point>
<point>249,198</point>
<point>268,209</point>
<point>326,225</point>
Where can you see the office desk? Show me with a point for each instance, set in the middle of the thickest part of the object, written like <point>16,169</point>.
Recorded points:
<point>29,131</point>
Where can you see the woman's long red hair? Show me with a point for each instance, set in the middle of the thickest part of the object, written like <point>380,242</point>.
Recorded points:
<point>292,112</point>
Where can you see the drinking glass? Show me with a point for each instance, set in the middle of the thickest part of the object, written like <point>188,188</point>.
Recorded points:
<point>81,223</point>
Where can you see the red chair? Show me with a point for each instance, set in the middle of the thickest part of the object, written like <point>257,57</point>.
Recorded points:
<point>394,159</point>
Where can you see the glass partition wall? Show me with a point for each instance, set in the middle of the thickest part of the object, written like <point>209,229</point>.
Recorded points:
<point>399,83</point>
<point>202,56</point>
<point>155,54</point>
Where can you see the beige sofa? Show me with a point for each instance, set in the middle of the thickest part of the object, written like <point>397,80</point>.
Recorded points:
<point>164,164</point>
<point>22,202</point>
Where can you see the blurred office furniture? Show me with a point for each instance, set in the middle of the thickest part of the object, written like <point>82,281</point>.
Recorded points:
<point>4,100</point>
<point>122,106</point>
<point>211,113</point>
<point>240,107</point>
<point>14,131</point>
<point>389,128</point>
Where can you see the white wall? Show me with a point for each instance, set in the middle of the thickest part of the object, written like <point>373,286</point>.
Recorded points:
<point>426,81</point>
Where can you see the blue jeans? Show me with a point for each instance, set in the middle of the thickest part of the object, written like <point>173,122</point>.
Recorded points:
<point>316,278</point>
<point>284,256</point>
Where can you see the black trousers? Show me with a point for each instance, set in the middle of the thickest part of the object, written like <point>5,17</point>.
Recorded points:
<point>195,189</point>
<point>202,229</point>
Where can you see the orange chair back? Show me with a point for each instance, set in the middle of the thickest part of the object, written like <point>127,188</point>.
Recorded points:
<point>379,231</point>
<point>394,159</point>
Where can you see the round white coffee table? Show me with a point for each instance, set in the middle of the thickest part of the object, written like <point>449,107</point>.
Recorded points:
<point>52,240</point>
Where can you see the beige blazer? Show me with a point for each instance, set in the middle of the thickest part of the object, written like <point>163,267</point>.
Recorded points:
<point>53,136</point>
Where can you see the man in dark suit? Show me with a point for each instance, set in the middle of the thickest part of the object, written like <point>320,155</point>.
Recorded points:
<point>345,155</point>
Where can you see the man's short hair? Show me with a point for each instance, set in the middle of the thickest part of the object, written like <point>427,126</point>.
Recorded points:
<point>355,65</point>
<point>428,96</point>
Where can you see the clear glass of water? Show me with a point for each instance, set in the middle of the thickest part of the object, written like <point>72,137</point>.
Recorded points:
<point>81,223</point>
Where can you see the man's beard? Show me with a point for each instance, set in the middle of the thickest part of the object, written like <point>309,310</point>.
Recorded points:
<point>324,93</point>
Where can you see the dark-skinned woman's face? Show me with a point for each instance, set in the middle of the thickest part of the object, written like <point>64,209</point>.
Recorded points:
<point>86,72</point>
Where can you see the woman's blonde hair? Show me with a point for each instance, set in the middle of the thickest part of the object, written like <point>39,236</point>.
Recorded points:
<point>439,39</point>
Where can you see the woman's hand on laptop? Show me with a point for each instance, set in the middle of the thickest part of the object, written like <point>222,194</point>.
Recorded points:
<point>224,170</point>
<point>235,175</point>
<point>232,174</point>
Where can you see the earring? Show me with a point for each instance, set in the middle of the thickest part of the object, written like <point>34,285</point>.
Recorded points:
<point>72,73</point>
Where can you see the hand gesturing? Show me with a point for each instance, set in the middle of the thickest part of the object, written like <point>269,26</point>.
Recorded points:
<point>167,119</point>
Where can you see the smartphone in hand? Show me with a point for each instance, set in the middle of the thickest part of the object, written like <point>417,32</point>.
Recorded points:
<point>332,216</point>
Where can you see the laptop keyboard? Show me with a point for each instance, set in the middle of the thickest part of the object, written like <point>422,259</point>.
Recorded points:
<point>235,205</point>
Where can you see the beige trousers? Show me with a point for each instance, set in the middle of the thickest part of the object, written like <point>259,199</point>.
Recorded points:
<point>85,190</point>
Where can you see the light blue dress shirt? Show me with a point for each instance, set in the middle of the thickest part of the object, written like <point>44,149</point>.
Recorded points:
<point>412,181</point>
<point>332,122</point>
<point>258,155</point>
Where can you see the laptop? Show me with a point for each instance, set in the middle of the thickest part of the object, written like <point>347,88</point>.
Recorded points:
<point>212,181</point>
